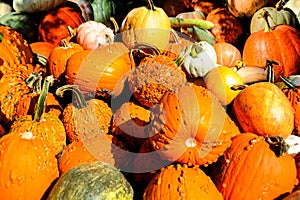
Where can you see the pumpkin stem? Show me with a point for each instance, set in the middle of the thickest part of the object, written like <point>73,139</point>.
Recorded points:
<point>142,50</point>
<point>79,99</point>
<point>238,87</point>
<point>288,82</point>
<point>34,81</point>
<point>265,15</point>
<point>65,43</point>
<point>279,5</point>
<point>277,145</point>
<point>116,26</point>
<point>270,70</point>
<point>40,107</point>
<point>150,5</point>
<point>192,50</point>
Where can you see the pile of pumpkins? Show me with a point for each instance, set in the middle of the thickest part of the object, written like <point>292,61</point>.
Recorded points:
<point>149,99</point>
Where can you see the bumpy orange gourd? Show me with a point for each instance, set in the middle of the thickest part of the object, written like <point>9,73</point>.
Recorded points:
<point>27,161</point>
<point>190,126</point>
<point>263,109</point>
<point>181,182</point>
<point>255,167</point>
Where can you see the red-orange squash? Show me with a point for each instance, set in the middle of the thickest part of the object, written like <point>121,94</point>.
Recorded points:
<point>255,167</point>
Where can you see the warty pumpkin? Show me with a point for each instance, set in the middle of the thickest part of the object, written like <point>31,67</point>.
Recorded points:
<point>181,182</point>
<point>97,179</point>
<point>259,47</point>
<point>146,25</point>
<point>255,167</point>
<point>27,161</point>
<point>14,49</point>
<point>190,127</point>
<point>46,125</point>
<point>263,109</point>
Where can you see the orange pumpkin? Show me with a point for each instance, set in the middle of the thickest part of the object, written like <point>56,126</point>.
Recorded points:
<point>255,167</point>
<point>259,47</point>
<point>58,59</point>
<point>263,109</point>
<point>42,48</point>
<point>226,27</point>
<point>103,71</point>
<point>190,126</point>
<point>244,9</point>
<point>27,161</point>
<point>181,182</point>
<point>53,26</point>
<point>227,54</point>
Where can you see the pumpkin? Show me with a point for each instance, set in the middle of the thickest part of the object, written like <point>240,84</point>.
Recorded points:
<point>294,5</point>
<point>42,48</point>
<point>278,14</point>
<point>85,6</point>
<point>227,28</point>
<point>42,124</point>
<point>263,109</point>
<point>97,179</point>
<point>251,158</point>
<point>51,31</point>
<point>14,49</point>
<point>79,109</point>
<point>180,181</point>
<point>259,47</point>
<point>220,81</point>
<point>129,122</point>
<point>74,154</point>
<point>182,127</point>
<point>293,95</point>
<point>13,87</point>
<point>26,161</point>
<point>197,59</point>
<point>34,6</point>
<point>205,6</point>
<point>102,72</point>
<point>149,25</point>
<point>245,9</point>
<point>104,10</point>
<point>153,78</point>
<point>58,59</point>
<point>24,23</point>
<point>227,54</point>
<point>91,34</point>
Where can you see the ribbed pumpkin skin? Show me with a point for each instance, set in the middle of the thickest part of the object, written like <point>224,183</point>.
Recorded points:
<point>49,128</point>
<point>32,6</point>
<point>274,45</point>
<point>96,180</point>
<point>246,8</point>
<point>283,16</point>
<point>191,127</point>
<point>26,163</point>
<point>144,25</point>
<point>13,48</point>
<point>181,182</point>
<point>50,30</point>
<point>263,109</point>
<point>251,170</point>
<point>227,54</point>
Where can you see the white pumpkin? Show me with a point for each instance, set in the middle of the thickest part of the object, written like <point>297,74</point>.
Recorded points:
<point>5,8</point>
<point>198,59</point>
<point>34,6</point>
<point>92,34</point>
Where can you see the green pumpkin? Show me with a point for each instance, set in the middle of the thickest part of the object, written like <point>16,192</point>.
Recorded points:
<point>92,181</point>
<point>23,23</point>
<point>278,16</point>
<point>104,9</point>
